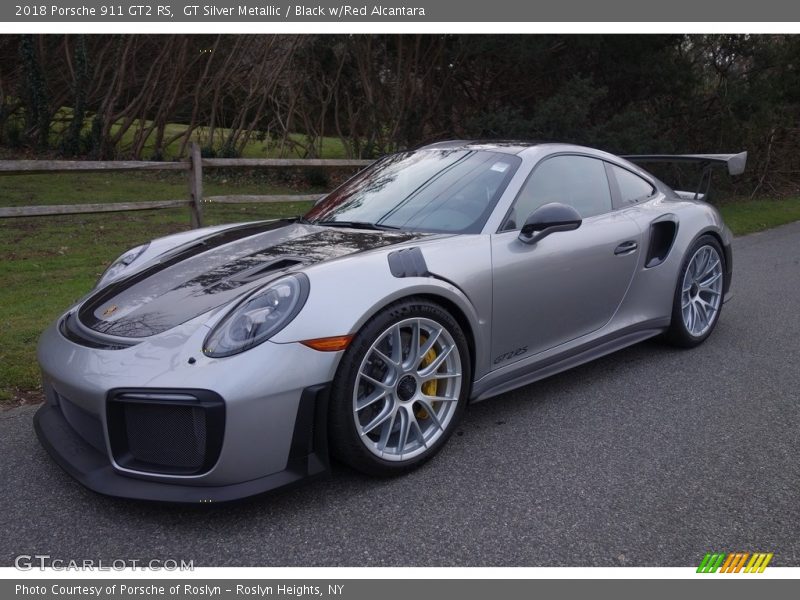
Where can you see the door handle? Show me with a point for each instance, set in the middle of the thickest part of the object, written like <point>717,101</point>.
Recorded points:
<point>626,248</point>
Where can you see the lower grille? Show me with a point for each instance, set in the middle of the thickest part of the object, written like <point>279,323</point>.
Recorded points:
<point>166,435</point>
<point>176,432</point>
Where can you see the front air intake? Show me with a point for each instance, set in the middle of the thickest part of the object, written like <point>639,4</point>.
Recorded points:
<point>169,432</point>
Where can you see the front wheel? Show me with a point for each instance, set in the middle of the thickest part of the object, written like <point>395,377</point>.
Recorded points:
<point>400,388</point>
<point>698,295</point>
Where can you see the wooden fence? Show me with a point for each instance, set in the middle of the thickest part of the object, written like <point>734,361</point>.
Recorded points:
<point>193,167</point>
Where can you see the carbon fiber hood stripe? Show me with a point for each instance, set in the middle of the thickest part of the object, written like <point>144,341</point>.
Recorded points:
<point>216,270</point>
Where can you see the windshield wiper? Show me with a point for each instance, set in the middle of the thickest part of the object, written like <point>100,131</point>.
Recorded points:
<point>356,225</point>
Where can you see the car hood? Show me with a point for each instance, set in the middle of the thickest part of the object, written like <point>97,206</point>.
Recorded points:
<point>212,271</point>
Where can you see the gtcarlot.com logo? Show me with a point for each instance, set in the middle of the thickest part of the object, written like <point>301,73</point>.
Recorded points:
<point>28,562</point>
<point>735,562</point>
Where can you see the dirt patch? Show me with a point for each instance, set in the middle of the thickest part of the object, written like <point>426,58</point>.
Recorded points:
<point>22,398</point>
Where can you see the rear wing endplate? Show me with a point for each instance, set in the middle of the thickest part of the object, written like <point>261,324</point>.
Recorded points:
<point>735,163</point>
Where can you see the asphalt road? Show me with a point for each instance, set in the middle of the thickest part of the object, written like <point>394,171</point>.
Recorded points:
<point>652,456</point>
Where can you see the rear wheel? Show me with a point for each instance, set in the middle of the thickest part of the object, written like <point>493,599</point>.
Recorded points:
<point>400,389</point>
<point>698,295</point>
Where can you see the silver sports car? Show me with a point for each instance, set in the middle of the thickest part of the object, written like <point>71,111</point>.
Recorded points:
<point>223,362</point>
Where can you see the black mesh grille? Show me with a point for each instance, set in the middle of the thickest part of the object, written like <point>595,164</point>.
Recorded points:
<point>166,435</point>
<point>166,431</point>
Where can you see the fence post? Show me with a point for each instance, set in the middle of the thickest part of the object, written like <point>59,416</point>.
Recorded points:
<point>195,185</point>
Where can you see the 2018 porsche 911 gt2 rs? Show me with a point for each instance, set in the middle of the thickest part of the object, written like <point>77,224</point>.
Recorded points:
<point>223,362</point>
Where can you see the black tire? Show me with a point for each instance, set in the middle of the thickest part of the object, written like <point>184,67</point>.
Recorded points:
<point>345,442</point>
<point>678,334</point>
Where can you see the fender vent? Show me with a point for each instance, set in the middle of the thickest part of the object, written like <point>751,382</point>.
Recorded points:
<point>408,262</point>
<point>662,236</point>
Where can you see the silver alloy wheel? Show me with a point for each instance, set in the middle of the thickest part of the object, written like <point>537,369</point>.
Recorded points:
<point>701,291</point>
<point>407,389</point>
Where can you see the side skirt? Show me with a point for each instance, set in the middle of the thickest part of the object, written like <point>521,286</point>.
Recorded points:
<point>533,369</point>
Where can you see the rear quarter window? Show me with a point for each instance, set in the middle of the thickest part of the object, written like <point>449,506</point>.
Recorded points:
<point>632,188</point>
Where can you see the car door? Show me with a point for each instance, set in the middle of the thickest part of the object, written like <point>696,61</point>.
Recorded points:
<point>569,283</point>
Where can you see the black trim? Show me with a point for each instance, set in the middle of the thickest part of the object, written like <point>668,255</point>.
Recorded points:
<point>69,329</point>
<point>94,470</point>
<point>727,250</point>
<point>308,454</point>
<point>408,262</point>
<point>86,312</point>
<point>211,403</point>
<point>530,228</point>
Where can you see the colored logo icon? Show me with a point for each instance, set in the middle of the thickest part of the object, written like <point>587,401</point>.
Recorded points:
<point>735,562</point>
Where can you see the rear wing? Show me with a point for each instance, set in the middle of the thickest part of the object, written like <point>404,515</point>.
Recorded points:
<point>735,164</point>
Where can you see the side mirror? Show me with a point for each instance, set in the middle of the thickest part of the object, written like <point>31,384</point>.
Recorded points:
<point>548,219</point>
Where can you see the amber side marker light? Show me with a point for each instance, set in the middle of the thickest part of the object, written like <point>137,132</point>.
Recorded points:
<point>329,344</point>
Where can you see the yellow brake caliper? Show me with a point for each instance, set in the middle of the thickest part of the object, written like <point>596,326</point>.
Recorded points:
<point>429,387</point>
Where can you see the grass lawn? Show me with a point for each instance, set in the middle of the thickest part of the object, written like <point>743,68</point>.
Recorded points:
<point>331,147</point>
<point>49,262</point>
<point>83,188</point>
<point>749,216</point>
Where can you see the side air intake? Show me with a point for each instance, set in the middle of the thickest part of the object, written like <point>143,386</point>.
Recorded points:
<point>662,236</point>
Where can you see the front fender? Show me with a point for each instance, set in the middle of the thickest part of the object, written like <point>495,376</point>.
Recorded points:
<point>345,294</point>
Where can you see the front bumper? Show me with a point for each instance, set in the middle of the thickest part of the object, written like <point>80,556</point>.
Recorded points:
<point>271,407</point>
<point>308,458</point>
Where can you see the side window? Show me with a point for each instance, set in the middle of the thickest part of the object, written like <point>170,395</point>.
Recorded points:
<point>632,188</point>
<point>578,181</point>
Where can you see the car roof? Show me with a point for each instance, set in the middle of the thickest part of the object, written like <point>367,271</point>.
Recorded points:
<point>535,147</point>
<point>516,147</point>
<point>504,146</point>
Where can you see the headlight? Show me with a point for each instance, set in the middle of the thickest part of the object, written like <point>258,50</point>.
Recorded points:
<point>122,263</point>
<point>259,317</point>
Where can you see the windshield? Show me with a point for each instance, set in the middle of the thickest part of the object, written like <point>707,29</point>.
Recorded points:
<point>438,190</point>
